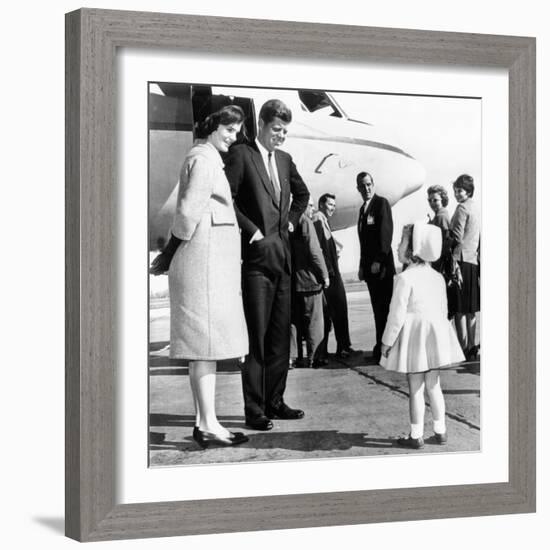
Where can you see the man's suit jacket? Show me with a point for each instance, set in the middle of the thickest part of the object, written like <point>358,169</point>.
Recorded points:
<point>309,269</point>
<point>328,246</point>
<point>375,230</point>
<point>256,206</point>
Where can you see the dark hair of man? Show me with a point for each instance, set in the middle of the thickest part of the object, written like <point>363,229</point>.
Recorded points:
<point>230,114</point>
<point>324,198</point>
<point>275,108</point>
<point>441,191</point>
<point>465,182</point>
<point>361,176</point>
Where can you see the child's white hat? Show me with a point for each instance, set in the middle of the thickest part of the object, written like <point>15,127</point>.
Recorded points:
<point>426,241</point>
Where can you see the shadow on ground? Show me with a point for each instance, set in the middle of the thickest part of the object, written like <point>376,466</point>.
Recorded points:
<point>55,524</point>
<point>461,392</point>
<point>316,440</point>
<point>188,421</point>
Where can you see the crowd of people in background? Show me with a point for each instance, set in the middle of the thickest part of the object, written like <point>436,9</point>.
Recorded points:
<point>263,261</point>
<point>458,262</point>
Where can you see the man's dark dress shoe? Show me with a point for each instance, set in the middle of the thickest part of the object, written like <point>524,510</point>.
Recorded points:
<point>345,353</point>
<point>207,439</point>
<point>261,423</point>
<point>284,412</point>
<point>318,363</point>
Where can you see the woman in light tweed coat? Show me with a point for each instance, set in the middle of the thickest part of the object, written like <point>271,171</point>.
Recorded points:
<point>207,321</point>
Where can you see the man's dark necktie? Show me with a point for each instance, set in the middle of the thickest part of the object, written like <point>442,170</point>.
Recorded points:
<point>273,178</point>
<point>361,216</point>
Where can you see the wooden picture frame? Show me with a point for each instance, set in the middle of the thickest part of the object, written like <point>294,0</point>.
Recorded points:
<point>92,39</point>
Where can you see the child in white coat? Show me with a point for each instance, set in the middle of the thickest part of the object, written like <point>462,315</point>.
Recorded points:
<point>418,339</point>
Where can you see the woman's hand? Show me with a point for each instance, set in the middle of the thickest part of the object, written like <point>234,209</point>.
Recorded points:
<point>160,264</point>
<point>457,275</point>
<point>385,350</point>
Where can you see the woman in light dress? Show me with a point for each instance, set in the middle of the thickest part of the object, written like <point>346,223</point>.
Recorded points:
<point>418,339</point>
<point>207,321</point>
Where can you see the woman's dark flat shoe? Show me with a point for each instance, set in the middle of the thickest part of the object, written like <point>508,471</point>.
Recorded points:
<point>472,353</point>
<point>206,439</point>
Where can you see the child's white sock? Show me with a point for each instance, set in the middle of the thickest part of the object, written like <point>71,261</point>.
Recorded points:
<point>417,430</point>
<point>439,426</point>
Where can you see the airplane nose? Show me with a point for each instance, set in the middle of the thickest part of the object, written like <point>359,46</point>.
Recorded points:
<point>400,178</point>
<point>414,177</point>
<point>395,176</point>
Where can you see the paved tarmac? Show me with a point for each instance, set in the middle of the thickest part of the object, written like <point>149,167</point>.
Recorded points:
<point>352,408</point>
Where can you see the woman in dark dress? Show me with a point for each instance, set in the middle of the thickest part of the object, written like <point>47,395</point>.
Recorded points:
<point>438,200</point>
<point>465,240</point>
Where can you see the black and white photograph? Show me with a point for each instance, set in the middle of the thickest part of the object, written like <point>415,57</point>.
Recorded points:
<point>314,274</point>
<point>241,300</point>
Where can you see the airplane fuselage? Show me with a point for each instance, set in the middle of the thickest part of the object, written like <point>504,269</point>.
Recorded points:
<point>329,152</point>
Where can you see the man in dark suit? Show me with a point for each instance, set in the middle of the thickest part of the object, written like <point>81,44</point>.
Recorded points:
<point>376,266</point>
<point>263,181</point>
<point>336,305</point>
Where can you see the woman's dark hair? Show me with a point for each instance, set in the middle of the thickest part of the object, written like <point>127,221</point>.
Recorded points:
<point>465,182</point>
<point>275,108</point>
<point>230,114</point>
<point>439,190</point>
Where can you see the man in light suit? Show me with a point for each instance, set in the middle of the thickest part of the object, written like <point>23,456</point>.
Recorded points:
<point>269,197</point>
<point>376,266</point>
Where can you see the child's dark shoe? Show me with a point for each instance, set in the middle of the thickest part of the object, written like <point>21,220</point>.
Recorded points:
<point>441,439</point>
<point>411,442</point>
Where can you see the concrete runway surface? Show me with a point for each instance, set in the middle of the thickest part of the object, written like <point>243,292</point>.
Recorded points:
<point>351,408</point>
